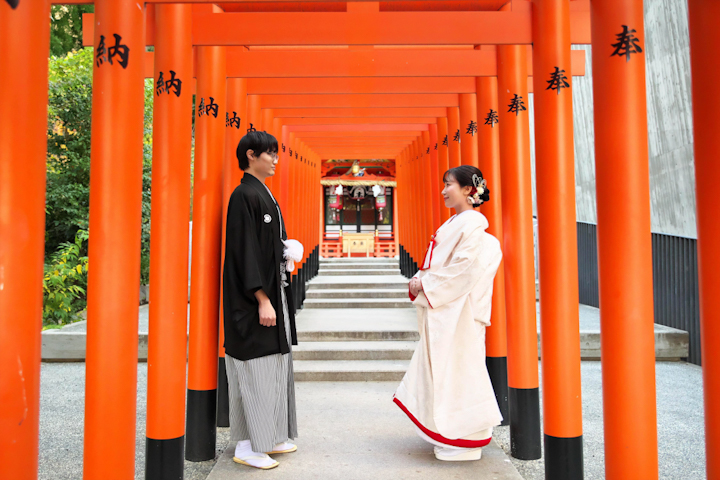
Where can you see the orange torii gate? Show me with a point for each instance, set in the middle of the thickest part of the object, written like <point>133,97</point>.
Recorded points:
<point>552,25</point>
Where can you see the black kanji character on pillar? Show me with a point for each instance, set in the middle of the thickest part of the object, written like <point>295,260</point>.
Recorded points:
<point>428,150</point>
<point>456,138</point>
<point>160,85</point>
<point>100,52</point>
<point>491,118</point>
<point>232,122</point>
<point>627,44</point>
<point>283,147</point>
<point>251,129</point>
<point>445,141</point>
<point>296,155</point>
<point>472,128</point>
<point>291,152</point>
<point>212,107</point>
<point>201,108</point>
<point>13,3</point>
<point>174,83</point>
<point>517,105</point>
<point>558,80</point>
<point>119,50</point>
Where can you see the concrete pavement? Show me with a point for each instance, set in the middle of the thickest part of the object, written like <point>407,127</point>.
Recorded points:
<point>325,409</point>
<point>353,431</point>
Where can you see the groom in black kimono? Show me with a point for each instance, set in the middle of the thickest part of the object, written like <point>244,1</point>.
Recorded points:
<point>259,326</point>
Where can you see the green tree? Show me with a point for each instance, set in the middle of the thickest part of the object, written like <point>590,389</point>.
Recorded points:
<point>68,161</point>
<point>66,28</point>
<point>65,282</point>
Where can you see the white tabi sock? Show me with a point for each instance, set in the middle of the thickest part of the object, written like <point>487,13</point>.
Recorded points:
<point>244,452</point>
<point>285,447</point>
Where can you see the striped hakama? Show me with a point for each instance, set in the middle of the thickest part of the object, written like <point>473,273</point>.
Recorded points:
<point>262,396</point>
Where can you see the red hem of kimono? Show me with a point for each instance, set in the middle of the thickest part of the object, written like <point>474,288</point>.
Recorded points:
<point>439,438</point>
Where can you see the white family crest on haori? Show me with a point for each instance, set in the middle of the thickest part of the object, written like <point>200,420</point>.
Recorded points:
<point>447,390</point>
<point>267,218</point>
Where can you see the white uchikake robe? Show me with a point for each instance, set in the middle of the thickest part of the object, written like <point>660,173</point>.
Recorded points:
<point>447,388</point>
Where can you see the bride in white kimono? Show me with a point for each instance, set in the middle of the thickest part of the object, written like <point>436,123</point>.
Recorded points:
<point>446,391</point>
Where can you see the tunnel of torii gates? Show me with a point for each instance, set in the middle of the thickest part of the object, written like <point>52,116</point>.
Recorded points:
<point>358,81</point>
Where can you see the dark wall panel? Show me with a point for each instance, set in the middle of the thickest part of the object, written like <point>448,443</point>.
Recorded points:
<point>675,281</point>
<point>587,264</point>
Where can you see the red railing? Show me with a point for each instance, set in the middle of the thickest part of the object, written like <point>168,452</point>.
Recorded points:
<point>331,246</point>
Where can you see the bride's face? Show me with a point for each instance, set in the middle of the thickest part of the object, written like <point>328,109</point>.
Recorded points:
<point>454,194</point>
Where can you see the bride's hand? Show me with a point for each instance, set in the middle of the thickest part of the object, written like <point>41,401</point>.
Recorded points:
<point>415,286</point>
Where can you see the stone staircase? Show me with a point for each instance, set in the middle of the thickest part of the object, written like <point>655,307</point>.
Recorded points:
<point>357,323</point>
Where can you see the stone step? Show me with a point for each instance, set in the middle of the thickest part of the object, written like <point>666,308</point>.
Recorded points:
<point>357,293</point>
<point>368,271</point>
<point>357,336</point>
<point>350,370</point>
<point>357,303</point>
<point>355,350</point>
<point>358,260</point>
<point>359,266</point>
<point>670,345</point>
<point>359,284</point>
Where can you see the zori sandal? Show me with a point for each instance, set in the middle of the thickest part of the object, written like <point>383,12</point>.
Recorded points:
<point>458,455</point>
<point>285,447</point>
<point>262,461</point>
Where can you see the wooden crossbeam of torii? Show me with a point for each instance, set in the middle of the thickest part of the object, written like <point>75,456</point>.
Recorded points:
<point>358,141</point>
<point>361,85</point>
<point>314,135</point>
<point>289,114</point>
<point>359,101</point>
<point>376,28</point>
<point>359,120</point>
<point>339,146</point>
<point>242,63</point>
<point>356,134</point>
<point>377,127</point>
<point>370,145</point>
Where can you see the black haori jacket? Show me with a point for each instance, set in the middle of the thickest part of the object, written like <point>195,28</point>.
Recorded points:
<point>253,252</point>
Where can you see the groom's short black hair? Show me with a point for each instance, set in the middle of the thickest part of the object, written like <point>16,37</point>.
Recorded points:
<point>258,142</point>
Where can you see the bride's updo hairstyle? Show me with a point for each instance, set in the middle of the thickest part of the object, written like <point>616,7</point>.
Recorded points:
<point>469,176</point>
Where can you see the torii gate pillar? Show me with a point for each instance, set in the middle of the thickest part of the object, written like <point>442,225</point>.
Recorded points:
<point>704,43</point>
<point>24,45</point>
<point>519,262</point>
<point>557,240</point>
<point>625,265</point>
<point>116,162</point>
<point>488,140</point>
<point>172,149</point>
<point>205,268</point>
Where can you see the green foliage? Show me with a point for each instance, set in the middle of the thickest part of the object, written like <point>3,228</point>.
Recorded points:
<point>66,28</point>
<point>68,161</point>
<point>65,282</point>
<point>146,193</point>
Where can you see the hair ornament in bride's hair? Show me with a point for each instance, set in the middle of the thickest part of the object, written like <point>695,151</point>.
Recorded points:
<point>479,186</point>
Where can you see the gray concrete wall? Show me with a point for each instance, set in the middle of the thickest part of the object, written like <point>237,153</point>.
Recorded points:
<point>669,110</point>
